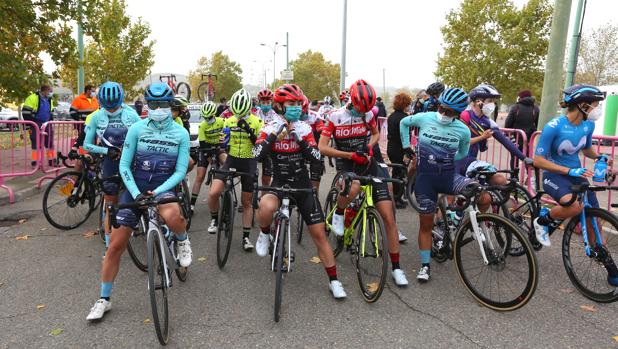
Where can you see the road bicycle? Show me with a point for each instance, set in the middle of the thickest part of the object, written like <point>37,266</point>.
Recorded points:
<point>206,90</point>
<point>181,88</point>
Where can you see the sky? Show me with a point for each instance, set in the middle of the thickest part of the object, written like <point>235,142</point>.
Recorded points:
<point>400,36</point>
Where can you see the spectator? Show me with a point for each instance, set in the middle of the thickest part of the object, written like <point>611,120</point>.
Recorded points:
<point>381,107</point>
<point>421,97</point>
<point>139,106</point>
<point>394,149</point>
<point>38,108</point>
<point>222,107</point>
<point>524,115</point>
<point>84,104</point>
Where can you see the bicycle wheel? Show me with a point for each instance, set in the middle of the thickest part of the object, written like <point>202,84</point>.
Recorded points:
<point>299,226</point>
<point>371,255</point>
<point>181,272</point>
<point>202,92</point>
<point>157,286</point>
<point>410,192</point>
<point>335,241</point>
<point>588,274</point>
<point>279,265</point>
<point>440,245</point>
<point>186,202</point>
<point>523,210</point>
<point>505,283</point>
<point>137,246</point>
<point>68,201</point>
<point>225,228</point>
<point>101,215</point>
<point>184,90</point>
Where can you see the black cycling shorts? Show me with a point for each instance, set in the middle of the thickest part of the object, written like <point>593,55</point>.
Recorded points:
<point>316,170</point>
<point>267,167</point>
<point>380,190</point>
<point>203,156</point>
<point>307,203</point>
<point>241,165</point>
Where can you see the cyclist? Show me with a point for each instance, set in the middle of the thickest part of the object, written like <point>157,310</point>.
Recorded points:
<point>442,139</point>
<point>316,168</point>
<point>109,125</point>
<point>349,127</point>
<point>266,113</point>
<point>344,97</point>
<point>433,92</point>
<point>326,107</point>
<point>240,133</point>
<point>209,135</point>
<point>154,161</point>
<point>180,112</point>
<point>290,144</point>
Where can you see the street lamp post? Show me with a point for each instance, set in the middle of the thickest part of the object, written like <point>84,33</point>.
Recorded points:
<point>274,49</point>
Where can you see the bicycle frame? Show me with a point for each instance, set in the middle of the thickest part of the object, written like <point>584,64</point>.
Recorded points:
<point>582,220</point>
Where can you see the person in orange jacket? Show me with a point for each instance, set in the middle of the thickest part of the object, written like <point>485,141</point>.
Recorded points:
<point>84,104</point>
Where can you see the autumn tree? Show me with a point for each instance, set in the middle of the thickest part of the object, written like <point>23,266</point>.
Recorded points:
<point>229,75</point>
<point>598,56</point>
<point>316,76</point>
<point>492,41</point>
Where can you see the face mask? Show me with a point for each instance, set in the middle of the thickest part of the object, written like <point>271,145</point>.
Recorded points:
<point>488,109</point>
<point>266,108</point>
<point>160,114</point>
<point>356,114</point>
<point>50,95</point>
<point>445,120</point>
<point>595,114</point>
<point>292,113</point>
<point>92,94</point>
<point>115,113</point>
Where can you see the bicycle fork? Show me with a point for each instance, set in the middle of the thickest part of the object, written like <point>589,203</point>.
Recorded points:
<point>154,222</point>
<point>284,213</point>
<point>480,235</point>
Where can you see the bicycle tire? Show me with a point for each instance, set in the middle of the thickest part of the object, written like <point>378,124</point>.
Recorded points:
<point>299,226</point>
<point>225,229</point>
<point>183,89</point>
<point>87,194</point>
<point>380,253</point>
<point>519,299</point>
<point>186,203</point>
<point>181,272</point>
<point>157,282</point>
<point>280,255</point>
<point>202,91</point>
<point>138,242</point>
<point>411,181</point>
<point>101,216</point>
<point>606,297</point>
<point>444,253</point>
<point>335,241</point>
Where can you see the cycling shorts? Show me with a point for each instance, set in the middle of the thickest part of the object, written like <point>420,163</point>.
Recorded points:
<point>129,217</point>
<point>267,167</point>
<point>557,186</point>
<point>379,190</point>
<point>316,170</point>
<point>110,168</point>
<point>204,156</point>
<point>307,203</point>
<point>429,185</point>
<point>241,165</point>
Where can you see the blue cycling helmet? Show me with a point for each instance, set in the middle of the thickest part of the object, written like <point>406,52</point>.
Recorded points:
<point>582,93</point>
<point>483,91</point>
<point>454,98</point>
<point>159,91</point>
<point>111,95</point>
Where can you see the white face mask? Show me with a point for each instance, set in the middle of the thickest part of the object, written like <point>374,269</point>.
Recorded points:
<point>160,114</point>
<point>595,114</point>
<point>445,120</point>
<point>114,113</point>
<point>93,94</point>
<point>488,109</point>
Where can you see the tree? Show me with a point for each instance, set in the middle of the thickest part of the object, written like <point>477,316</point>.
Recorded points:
<point>598,56</point>
<point>119,52</point>
<point>29,29</point>
<point>491,41</point>
<point>316,76</point>
<point>229,75</point>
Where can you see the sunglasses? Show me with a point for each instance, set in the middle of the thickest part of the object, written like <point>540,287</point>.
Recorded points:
<point>158,104</point>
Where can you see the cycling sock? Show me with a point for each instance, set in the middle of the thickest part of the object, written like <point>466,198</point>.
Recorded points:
<point>214,216</point>
<point>245,232</point>
<point>339,211</point>
<point>545,220</point>
<point>425,256</point>
<point>181,237</point>
<point>194,198</point>
<point>266,230</point>
<point>106,290</point>
<point>106,240</point>
<point>331,272</point>
<point>395,260</point>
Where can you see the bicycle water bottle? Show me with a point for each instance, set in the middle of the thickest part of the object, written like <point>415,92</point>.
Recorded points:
<point>600,169</point>
<point>350,213</point>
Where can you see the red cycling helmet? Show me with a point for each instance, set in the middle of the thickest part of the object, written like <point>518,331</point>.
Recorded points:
<point>288,92</point>
<point>344,96</point>
<point>265,94</point>
<point>363,96</point>
<point>305,104</point>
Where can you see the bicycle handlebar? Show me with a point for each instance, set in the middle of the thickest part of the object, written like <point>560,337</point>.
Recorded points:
<point>148,202</point>
<point>285,189</point>
<point>348,177</point>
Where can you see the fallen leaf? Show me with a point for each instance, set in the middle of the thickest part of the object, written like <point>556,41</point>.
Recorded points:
<point>44,228</point>
<point>201,259</point>
<point>315,260</point>
<point>22,237</point>
<point>22,221</point>
<point>89,234</point>
<point>147,321</point>
<point>40,306</point>
<point>615,338</point>
<point>56,331</point>
<point>567,290</point>
<point>372,287</point>
<point>588,308</point>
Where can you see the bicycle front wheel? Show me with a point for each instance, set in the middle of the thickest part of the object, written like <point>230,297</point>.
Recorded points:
<point>410,192</point>
<point>137,246</point>
<point>184,90</point>
<point>157,286</point>
<point>505,283</point>
<point>202,92</point>
<point>280,266</point>
<point>299,226</point>
<point>102,219</point>
<point>186,203</point>
<point>371,255</point>
<point>588,273</point>
<point>225,228</point>
<point>68,201</point>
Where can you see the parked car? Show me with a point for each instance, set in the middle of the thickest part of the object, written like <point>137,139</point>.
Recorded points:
<point>62,111</point>
<point>194,121</point>
<point>7,114</point>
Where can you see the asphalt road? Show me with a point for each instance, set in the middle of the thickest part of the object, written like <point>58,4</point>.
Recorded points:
<point>59,272</point>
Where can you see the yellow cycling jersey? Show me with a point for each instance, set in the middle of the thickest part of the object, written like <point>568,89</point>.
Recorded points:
<point>240,144</point>
<point>211,132</point>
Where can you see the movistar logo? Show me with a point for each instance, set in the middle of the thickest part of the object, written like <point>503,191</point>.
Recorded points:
<point>570,148</point>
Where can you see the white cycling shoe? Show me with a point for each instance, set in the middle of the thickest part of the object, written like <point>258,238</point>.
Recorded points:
<point>99,309</point>
<point>336,288</point>
<point>262,244</point>
<point>185,255</point>
<point>402,238</point>
<point>338,224</point>
<point>213,227</point>
<point>542,233</point>
<point>399,277</point>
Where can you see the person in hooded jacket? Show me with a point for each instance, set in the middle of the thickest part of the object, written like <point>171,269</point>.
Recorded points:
<point>524,115</point>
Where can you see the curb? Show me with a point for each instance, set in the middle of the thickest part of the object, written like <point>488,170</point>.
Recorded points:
<point>20,195</point>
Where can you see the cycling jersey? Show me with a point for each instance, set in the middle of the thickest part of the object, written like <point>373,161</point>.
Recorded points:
<point>211,131</point>
<point>155,156</point>
<point>439,145</point>
<point>349,132</point>
<point>478,125</point>
<point>561,141</point>
<point>316,122</point>
<point>265,117</point>
<point>238,141</point>
<point>110,130</point>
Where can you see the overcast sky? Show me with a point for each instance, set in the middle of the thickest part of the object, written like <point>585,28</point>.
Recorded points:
<point>401,36</point>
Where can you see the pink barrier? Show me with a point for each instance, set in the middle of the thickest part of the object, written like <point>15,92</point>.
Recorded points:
<point>497,155</point>
<point>56,137</point>
<point>17,155</point>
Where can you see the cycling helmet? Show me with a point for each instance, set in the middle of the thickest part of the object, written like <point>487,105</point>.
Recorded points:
<point>483,91</point>
<point>435,89</point>
<point>344,96</point>
<point>111,95</point>
<point>454,98</point>
<point>362,95</point>
<point>288,92</point>
<point>265,94</point>
<point>240,103</point>
<point>305,105</point>
<point>208,109</point>
<point>582,93</point>
<point>180,102</point>
<point>328,100</point>
<point>159,91</point>
<point>477,166</point>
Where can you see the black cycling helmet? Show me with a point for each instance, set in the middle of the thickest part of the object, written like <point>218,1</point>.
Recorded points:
<point>581,93</point>
<point>435,89</point>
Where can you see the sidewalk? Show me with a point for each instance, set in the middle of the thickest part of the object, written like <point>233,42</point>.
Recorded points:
<point>24,188</point>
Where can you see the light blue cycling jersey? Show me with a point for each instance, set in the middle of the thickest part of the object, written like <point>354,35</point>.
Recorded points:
<point>439,145</point>
<point>155,156</point>
<point>110,130</point>
<point>561,141</point>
